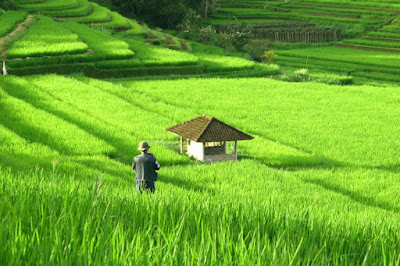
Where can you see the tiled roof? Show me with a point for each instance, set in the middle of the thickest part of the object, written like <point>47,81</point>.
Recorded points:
<point>207,129</point>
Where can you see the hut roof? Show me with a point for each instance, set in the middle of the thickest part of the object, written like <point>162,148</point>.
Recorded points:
<point>206,128</point>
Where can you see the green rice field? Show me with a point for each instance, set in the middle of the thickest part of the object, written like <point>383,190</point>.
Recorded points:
<point>318,184</point>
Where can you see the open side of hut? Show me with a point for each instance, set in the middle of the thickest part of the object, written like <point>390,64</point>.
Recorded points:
<point>207,137</point>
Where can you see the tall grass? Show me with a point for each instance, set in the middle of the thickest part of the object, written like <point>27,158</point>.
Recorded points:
<point>9,20</point>
<point>318,184</point>
<point>371,58</point>
<point>85,8</point>
<point>34,6</point>
<point>99,14</point>
<point>101,43</point>
<point>46,38</point>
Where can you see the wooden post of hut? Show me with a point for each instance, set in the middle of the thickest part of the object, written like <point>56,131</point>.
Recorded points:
<point>207,137</point>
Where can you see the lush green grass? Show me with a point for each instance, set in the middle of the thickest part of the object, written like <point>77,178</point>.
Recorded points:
<point>135,27</point>
<point>386,4</point>
<point>85,8</point>
<point>373,43</point>
<point>120,56</point>
<point>347,56</point>
<point>9,20</point>
<point>99,14</point>
<point>243,13</point>
<point>48,5</point>
<point>331,21</point>
<point>117,22</point>
<point>359,70</point>
<point>28,1</point>
<point>101,43</point>
<point>394,28</point>
<point>336,12</point>
<point>316,3</point>
<point>319,182</point>
<point>221,63</point>
<point>294,112</point>
<point>381,34</point>
<point>46,38</point>
<point>151,54</point>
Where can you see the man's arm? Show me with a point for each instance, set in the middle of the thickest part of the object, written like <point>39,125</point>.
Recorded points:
<point>158,166</point>
<point>133,164</point>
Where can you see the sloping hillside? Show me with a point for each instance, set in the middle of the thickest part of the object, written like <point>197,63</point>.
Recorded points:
<point>83,37</point>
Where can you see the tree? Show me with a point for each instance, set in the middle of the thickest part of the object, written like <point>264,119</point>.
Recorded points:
<point>269,56</point>
<point>160,13</point>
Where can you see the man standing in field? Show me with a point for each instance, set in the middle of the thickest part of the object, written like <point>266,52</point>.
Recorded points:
<point>145,166</point>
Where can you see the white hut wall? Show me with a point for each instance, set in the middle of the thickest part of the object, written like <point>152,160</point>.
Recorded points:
<point>196,149</point>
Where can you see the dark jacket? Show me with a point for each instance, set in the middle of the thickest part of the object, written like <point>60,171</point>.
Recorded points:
<point>145,166</point>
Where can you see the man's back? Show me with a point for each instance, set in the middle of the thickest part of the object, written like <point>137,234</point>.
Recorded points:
<point>145,166</point>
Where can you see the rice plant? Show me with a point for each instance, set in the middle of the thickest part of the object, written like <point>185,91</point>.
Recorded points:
<point>46,38</point>
<point>9,20</point>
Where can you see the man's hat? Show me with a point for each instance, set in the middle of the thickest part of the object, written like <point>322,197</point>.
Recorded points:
<point>143,146</point>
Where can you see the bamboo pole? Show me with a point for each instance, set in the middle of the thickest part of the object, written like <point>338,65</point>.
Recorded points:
<point>235,150</point>
<point>181,145</point>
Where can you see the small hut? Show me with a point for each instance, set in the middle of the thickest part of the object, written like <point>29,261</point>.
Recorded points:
<point>207,137</point>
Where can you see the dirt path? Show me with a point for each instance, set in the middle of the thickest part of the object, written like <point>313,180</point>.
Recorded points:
<point>15,34</point>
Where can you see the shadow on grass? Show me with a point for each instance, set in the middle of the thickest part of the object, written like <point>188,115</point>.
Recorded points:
<point>28,131</point>
<point>294,163</point>
<point>394,168</point>
<point>364,200</point>
<point>184,184</point>
<point>18,163</point>
<point>123,149</point>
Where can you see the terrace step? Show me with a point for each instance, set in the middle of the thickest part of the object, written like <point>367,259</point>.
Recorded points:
<point>16,34</point>
<point>346,7</point>
<point>29,1</point>
<point>369,48</point>
<point>380,39</point>
<point>359,70</point>
<point>83,10</point>
<point>45,6</point>
<point>338,65</point>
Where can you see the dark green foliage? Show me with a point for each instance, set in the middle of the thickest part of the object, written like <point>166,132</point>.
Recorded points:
<point>7,4</point>
<point>160,13</point>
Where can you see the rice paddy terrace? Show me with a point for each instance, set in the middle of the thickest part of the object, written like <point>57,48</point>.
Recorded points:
<point>73,36</point>
<point>319,184</point>
<point>366,30</point>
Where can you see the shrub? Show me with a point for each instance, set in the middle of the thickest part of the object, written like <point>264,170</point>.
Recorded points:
<point>299,75</point>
